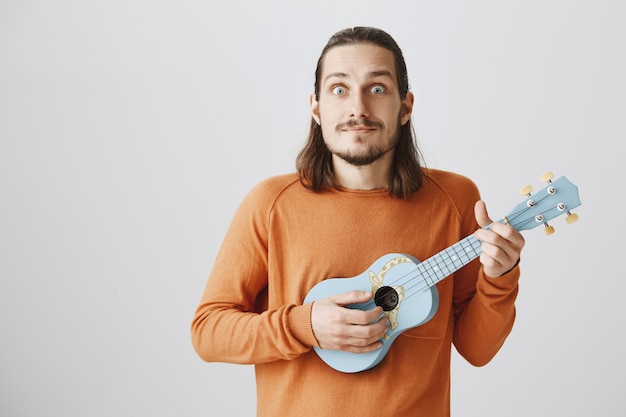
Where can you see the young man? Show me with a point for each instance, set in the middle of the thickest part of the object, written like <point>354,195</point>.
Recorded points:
<point>359,193</point>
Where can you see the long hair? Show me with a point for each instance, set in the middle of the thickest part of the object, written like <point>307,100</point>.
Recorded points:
<point>314,162</point>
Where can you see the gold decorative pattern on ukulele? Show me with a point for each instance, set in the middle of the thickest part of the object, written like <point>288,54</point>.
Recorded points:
<point>377,283</point>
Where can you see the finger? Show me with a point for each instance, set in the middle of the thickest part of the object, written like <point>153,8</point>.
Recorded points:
<point>365,338</point>
<point>361,349</point>
<point>371,332</point>
<point>480,212</point>
<point>363,317</point>
<point>500,252</point>
<point>501,235</point>
<point>496,246</point>
<point>509,234</point>
<point>351,297</point>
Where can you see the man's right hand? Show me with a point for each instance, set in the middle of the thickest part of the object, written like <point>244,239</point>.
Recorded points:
<point>338,327</point>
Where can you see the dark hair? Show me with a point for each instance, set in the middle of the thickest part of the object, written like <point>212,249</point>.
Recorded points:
<point>314,162</point>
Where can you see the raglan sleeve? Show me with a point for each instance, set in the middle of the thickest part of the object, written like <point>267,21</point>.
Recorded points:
<point>484,307</point>
<point>231,322</point>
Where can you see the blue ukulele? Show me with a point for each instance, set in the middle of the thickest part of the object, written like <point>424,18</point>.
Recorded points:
<point>405,287</point>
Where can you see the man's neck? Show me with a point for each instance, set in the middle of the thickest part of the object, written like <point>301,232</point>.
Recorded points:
<point>368,177</point>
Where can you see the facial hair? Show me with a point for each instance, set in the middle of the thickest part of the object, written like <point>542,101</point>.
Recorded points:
<point>373,153</point>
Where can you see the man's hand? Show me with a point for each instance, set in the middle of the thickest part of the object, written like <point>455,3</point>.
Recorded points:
<point>501,243</point>
<point>351,330</point>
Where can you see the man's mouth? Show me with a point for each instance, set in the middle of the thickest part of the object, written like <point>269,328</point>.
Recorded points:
<point>359,129</point>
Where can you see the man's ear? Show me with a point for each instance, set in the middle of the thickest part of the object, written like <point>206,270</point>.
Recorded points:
<point>315,108</point>
<point>407,108</point>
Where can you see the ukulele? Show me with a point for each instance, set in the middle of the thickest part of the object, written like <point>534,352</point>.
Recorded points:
<point>405,287</point>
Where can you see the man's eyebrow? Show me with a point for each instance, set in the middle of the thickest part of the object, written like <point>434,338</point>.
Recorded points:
<point>383,73</point>
<point>336,75</point>
<point>373,74</point>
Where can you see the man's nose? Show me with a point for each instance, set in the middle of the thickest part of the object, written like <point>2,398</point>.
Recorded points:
<point>358,105</point>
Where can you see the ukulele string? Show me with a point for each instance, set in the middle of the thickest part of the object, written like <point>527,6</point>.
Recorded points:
<point>420,279</point>
<point>512,220</point>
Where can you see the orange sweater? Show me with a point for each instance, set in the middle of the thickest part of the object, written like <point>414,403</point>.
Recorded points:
<point>284,239</point>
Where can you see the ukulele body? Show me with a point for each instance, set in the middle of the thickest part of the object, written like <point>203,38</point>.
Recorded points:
<point>407,303</point>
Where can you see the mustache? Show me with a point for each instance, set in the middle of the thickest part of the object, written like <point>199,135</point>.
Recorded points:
<point>359,123</point>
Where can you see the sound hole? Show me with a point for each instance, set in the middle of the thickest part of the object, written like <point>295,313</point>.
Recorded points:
<point>387,298</point>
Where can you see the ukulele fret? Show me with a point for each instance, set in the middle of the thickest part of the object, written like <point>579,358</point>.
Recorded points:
<point>445,263</point>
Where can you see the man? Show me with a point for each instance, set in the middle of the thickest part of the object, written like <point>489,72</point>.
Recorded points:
<point>359,193</point>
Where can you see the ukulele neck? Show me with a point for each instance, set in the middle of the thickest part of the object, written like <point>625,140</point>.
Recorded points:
<point>445,263</point>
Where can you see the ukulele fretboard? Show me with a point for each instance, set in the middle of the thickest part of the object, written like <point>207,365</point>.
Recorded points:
<point>449,260</point>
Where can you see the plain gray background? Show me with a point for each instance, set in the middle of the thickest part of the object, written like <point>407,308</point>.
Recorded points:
<point>130,131</point>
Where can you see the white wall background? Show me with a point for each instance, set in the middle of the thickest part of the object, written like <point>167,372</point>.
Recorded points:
<point>130,130</point>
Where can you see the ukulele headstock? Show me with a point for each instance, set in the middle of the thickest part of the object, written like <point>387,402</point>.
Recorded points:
<point>558,197</point>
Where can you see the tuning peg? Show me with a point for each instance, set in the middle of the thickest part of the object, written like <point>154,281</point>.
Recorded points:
<point>548,230</point>
<point>571,218</point>
<point>547,177</point>
<point>526,190</point>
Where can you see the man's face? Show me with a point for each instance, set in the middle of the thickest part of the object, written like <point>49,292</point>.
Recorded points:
<point>359,107</point>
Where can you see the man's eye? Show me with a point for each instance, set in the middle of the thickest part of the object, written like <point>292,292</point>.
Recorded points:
<point>338,91</point>
<point>377,89</point>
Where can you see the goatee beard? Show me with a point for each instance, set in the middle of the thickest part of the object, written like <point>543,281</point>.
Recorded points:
<point>374,153</point>
<point>370,157</point>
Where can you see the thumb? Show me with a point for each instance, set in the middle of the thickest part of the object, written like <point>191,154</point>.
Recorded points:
<point>480,211</point>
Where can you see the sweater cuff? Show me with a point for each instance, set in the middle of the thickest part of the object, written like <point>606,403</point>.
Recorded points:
<point>300,324</point>
<point>508,281</point>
